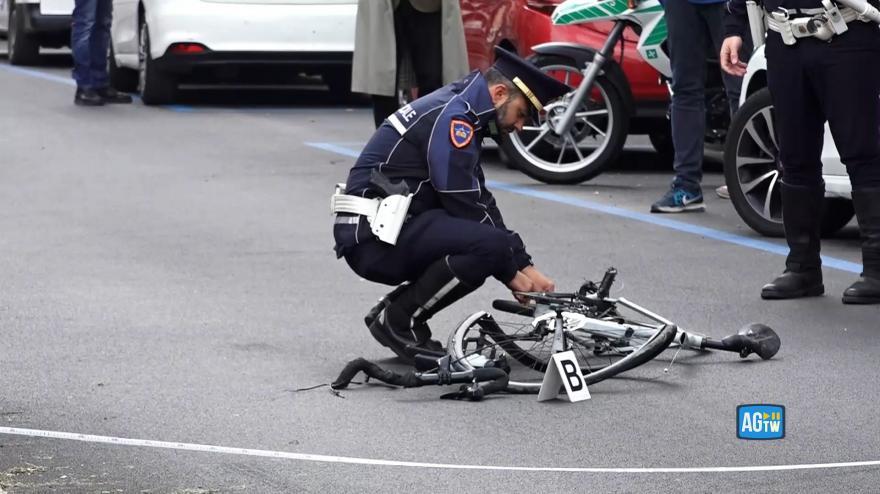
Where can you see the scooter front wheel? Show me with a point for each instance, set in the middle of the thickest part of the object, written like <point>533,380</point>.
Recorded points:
<point>594,141</point>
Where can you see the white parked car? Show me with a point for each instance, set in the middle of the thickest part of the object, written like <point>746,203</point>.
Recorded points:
<point>30,24</point>
<point>156,44</point>
<point>752,170</point>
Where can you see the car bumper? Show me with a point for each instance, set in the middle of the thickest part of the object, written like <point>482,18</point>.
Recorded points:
<point>36,22</point>
<point>229,28</point>
<point>252,67</point>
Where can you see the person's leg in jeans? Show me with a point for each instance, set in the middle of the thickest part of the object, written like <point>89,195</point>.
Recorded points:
<point>688,52</point>
<point>99,44</point>
<point>713,14</point>
<point>82,25</point>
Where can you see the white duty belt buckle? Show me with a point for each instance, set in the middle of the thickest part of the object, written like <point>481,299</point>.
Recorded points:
<point>389,217</point>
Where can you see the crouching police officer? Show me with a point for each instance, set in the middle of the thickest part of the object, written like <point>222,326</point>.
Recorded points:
<point>415,211</point>
<point>823,64</point>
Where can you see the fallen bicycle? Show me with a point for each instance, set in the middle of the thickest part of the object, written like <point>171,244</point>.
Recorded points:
<point>607,335</point>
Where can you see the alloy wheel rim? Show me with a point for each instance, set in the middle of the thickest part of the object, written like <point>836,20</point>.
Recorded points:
<point>758,170</point>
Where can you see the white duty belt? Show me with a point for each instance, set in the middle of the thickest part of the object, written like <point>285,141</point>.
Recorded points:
<point>822,23</point>
<point>385,216</point>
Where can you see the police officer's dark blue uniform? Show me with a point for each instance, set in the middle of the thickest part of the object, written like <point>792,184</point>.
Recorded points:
<point>455,236</point>
<point>813,81</point>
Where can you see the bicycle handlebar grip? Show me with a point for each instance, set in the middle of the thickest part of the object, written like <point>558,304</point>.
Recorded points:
<point>607,281</point>
<point>513,307</point>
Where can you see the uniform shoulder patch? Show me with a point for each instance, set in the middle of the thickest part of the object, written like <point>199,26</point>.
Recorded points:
<point>460,133</point>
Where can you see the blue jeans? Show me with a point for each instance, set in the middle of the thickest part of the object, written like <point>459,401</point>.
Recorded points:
<point>694,29</point>
<point>90,42</point>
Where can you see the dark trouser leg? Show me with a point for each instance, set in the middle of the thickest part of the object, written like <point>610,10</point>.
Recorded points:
<point>81,28</point>
<point>99,44</point>
<point>382,107</point>
<point>850,85</point>
<point>687,44</point>
<point>422,33</point>
<point>800,126</point>
<point>713,15</point>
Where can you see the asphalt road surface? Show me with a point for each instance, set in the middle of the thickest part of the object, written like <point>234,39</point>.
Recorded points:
<point>166,275</point>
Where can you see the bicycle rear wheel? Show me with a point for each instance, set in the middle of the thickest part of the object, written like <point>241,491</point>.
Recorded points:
<point>604,348</point>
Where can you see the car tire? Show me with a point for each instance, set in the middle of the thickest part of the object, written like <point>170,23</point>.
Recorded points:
<point>753,174</point>
<point>339,82</point>
<point>121,78</point>
<point>24,49</point>
<point>155,86</point>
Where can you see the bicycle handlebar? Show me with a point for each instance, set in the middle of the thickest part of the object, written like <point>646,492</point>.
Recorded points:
<point>514,307</point>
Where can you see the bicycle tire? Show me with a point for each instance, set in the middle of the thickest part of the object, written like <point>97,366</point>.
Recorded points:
<point>460,352</point>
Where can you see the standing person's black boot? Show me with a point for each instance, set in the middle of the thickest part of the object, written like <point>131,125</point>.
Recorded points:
<point>801,215</point>
<point>401,322</point>
<point>867,290</point>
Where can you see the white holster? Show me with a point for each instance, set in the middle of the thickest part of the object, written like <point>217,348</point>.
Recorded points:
<point>823,23</point>
<point>385,216</point>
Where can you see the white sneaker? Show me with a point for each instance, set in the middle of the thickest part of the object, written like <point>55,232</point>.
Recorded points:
<point>723,192</point>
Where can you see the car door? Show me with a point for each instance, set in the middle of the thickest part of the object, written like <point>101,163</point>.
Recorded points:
<point>124,32</point>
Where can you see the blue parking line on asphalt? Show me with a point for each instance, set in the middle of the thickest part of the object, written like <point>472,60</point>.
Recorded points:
<point>732,238</point>
<point>180,108</point>
<point>38,74</point>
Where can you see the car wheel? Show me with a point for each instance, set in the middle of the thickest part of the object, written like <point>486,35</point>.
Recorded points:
<point>753,173</point>
<point>156,87</point>
<point>121,78</point>
<point>339,82</point>
<point>24,49</point>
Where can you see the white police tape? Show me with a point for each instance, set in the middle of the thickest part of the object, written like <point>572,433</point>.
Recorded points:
<point>147,443</point>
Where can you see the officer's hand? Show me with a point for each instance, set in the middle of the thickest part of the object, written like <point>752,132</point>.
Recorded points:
<point>521,283</point>
<point>542,283</point>
<point>730,61</point>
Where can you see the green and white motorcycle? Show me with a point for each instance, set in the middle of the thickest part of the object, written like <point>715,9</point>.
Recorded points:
<point>581,134</point>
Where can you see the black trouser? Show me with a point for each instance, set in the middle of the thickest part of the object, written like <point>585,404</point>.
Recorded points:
<point>421,34</point>
<point>812,82</point>
<point>476,251</point>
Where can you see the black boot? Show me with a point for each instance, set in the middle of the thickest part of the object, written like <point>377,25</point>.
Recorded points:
<point>401,323</point>
<point>867,290</point>
<point>801,214</point>
<point>87,97</point>
<point>111,95</point>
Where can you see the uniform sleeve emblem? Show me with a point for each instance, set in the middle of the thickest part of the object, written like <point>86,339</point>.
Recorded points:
<point>461,133</point>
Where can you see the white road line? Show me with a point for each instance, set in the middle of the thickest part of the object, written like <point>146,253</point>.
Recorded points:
<point>411,464</point>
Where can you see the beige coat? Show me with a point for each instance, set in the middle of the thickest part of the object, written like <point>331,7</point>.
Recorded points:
<point>373,68</point>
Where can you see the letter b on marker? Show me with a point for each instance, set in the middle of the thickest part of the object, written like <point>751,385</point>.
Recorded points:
<point>571,373</point>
